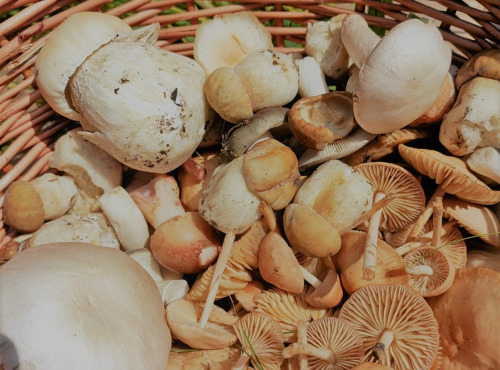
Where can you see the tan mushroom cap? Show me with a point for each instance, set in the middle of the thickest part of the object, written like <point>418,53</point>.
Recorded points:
<point>260,335</point>
<point>183,316</point>
<point>485,64</point>
<point>245,250</point>
<point>390,268</point>
<point>181,358</point>
<point>409,198</point>
<point>370,366</point>
<point>288,308</point>
<point>430,270</point>
<point>476,219</point>
<point>487,256</point>
<point>451,173</point>
<point>320,120</point>
<point>383,145</point>
<point>394,323</point>
<point>468,320</point>
<point>23,207</point>
<point>249,296</point>
<point>329,293</point>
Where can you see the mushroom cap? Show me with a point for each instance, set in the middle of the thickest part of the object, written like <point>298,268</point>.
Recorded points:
<point>390,266</point>
<point>375,308</point>
<point>62,302</point>
<point>468,320</point>
<point>211,359</point>
<point>287,309</point>
<point>245,250</point>
<point>485,64</point>
<point>411,62</point>
<point>320,120</point>
<point>451,173</point>
<point>249,296</point>
<point>409,198</point>
<point>259,333</point>
<point>183,317</point>
<point>383,145</point>
<point>485,257</point>
<point>228,38</point>
<point>443,271</point>
<point>337,193</point>
<point>67,47</point>
<point>476,219</point>
<point>370,366</point>
<point>486,163</point>
<point>23,207</point>
<point>329,293</point>
<point>339,337</point>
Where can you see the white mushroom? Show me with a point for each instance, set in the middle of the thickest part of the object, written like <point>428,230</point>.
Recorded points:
<point>474,120</point>
<point>126,218</point>
<point>486,162</point>
<point>93,170</point>
<point>311,77</point>
<point>57,193</point>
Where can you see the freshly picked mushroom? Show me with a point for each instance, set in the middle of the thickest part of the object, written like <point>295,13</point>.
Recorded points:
<point>312,80</point>
<point>23,207</point>
<point>320,120</point>
<point>411,62</point>
<point>212,359</point>
<point>93,170</point>
<point>485,257</point>
<point>486,162</point>
<point>249,296</point>
<point>57,192</point>
<point>162,94</point>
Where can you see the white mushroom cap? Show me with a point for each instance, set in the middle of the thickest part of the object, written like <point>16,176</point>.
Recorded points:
<point>486,162</point>
<point>474,119</point>
<point>311,77</point>
<point>79,306</point>
<point>66,49</point>
<point>57,193</point>
<point>402,77</point>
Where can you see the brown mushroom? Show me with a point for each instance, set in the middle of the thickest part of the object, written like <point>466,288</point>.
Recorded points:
<point>331,343</point>
<point>468,320</point>
<point>404,208</point>
<point>451,173</point>
<point>485,64</point>
<point>261,340</point>
<point>249,296</point>
<point>23,207</point>
<point>397,326</point>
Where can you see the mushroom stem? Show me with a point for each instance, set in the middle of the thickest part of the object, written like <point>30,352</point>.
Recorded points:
<point>426,214</point>
<point>306,349</point>
<point>410,246</point>
<point>220,266</point>
<point>437,221</point>
<point>242,362</point>
<point>380,350</point>
<point>235,309</point>
<point>302,339</point>
<point>310,278</point>
<point>419,270</point>
<point>370,258</point>
<point>196,170</point>
<point>376,207</point>
<point>358,38</point>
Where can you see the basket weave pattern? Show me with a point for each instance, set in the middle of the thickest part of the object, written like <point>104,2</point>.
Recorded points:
<point>29,127</point>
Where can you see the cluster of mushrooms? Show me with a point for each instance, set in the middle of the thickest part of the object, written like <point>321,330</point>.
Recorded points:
<point>252,214</point>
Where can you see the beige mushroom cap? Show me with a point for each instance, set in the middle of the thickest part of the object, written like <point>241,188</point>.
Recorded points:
<point>485,64</point>
<point>66,49</point>
<point>468,320</point>
<point>411,62</point>
<point>57,193</point>
<point>391,319</point>
<point>23,207</point>
<point>451,173</point>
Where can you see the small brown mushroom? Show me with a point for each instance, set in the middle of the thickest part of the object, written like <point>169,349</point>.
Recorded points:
<point>23,207</point>
<point>485,64</point>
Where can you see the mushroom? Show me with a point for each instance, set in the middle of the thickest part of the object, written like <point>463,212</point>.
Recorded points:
<point>182,318</point>
<point>324,44</point>
<point>23,207</point>
<point>407,204</point>
<point>311,77</point>
<point>370,366</point>
<point>158,200</point>
<point>320,120</point>
<point>485,64</point>
<point>57,193</point>
<point>331,343</point>
<point>212,359</point>
<point>384,145</point>
<point>484,257</point>
<point>91,228</point>
<point>126,218</point>
<point>261,341</point>
<point>349,262</point>
<point>227,39</point>
<point>93,170</point>
<point>396,325</point>
<point>473,121</point>
<point>451,173</point>
<point>69,309</point>
<point>249,296</point>
<point>486,162</point>
<point>391,62</point>
<point>467,317</point>
<point>185,243</point>
<point>477,220</point>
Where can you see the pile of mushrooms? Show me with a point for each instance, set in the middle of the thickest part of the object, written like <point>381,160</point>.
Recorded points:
<point>305,229</point>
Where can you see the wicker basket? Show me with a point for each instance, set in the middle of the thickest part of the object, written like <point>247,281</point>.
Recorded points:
<point>29,127</point>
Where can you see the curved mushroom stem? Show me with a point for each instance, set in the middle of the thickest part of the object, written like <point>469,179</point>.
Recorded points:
<point>242,362</point>
<point>269,215</point>
<point>310,278</point>
<point>194,169</point>
<point>419,270</point>
<point>381,348</point>
<point>426,214</point>
<point>370,258</point>
<point>358,38</point>
<point>437,221</point>
<point>306,349</point>
<point>220,266</point>
<point>302,339</point>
